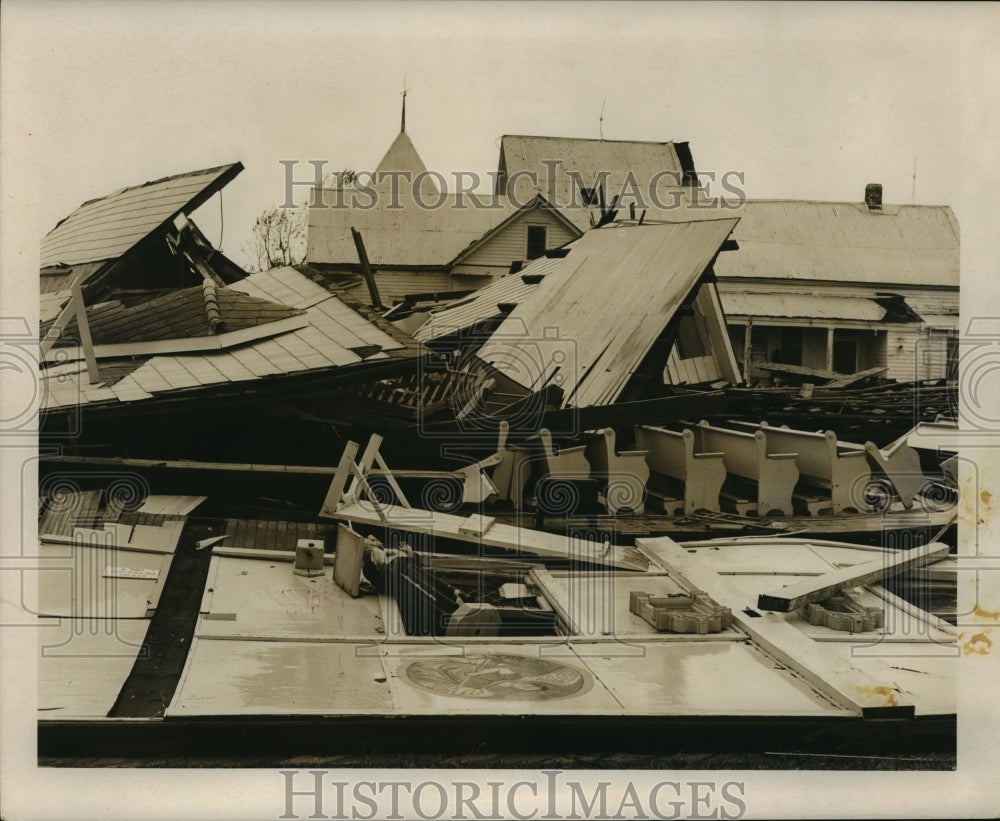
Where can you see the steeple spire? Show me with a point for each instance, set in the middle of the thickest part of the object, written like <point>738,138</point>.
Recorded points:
<point>402,121</point>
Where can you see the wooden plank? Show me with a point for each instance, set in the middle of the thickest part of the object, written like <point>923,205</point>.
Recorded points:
<point>392,481</point>
<point>556,595</point>
<point>849,379</point>
<point>506,537</point>
<point>795,370</point>
<point>349,560</point>
<point>249,553</point>
<point>259,534</point>
<point>842,682</point>
<point>794,596</point>
<point>476,525</point>
<point>335,493</point>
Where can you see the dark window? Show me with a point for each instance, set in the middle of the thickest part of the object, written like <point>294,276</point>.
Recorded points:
<point>791,346</point>
<point>845,355</point>
<point>536,241</point>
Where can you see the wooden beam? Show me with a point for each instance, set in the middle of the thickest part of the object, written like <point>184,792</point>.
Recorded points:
<point>84,327</point>
<point>366,270</point>
<point>391,480</point>
<point>362,467</point>
<point>839,679</point>
<point>556,595</point>
<point>851,378</point>
<point>335,494</point>
<point>446,526</point>
<point>794,596</point>
<point>796,370</point>
<point>359,475</point>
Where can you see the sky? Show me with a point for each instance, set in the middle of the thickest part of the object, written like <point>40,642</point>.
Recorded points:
<point>807,102</point>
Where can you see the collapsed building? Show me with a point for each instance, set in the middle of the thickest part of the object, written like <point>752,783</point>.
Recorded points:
<point>561,386</point>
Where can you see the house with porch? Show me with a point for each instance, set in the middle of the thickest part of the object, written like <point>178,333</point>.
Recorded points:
<point>843,287</point>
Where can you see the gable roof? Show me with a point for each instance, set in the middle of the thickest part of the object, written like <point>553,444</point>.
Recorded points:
<point>589,323</point>
<point>528,162</point>
<point>845,242</point>
<point>836,242</point>
<point>412,236</point>
<point>108,227</point>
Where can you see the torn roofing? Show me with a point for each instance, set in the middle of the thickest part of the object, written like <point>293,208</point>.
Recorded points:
<point>588,324</point>
<point>487,302</point>
<point>176,315</point>
<point>106,228</point>
<point>332,336</point>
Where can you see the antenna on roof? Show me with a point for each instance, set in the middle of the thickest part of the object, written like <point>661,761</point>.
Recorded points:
<point>402,120</point>
<point>600,120</point>
<point>913,195</point>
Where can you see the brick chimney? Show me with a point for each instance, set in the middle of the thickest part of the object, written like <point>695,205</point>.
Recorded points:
<point>873,196</point>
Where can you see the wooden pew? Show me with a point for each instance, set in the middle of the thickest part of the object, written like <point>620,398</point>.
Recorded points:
<point>621,476</point>
<point>672,454</point>
<point>560,471</point>
<point>749,456</point>
<point>822,462</point>
<point>901,464</point>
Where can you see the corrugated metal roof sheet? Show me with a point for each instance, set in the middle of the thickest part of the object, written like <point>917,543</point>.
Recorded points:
<point>327,341</point>
<point>836,241</point>
<point>106,228</point>
<point>510,289</point>
<point>802,306</point>
<point>588,324</point>
<point>615,158</point>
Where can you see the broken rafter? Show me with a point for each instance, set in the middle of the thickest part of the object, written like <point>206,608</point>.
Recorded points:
<point>366,270</point>
<point>816,589</point>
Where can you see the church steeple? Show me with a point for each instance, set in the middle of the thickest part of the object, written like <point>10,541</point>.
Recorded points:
<point>402,157</point>
<point>402,119</point>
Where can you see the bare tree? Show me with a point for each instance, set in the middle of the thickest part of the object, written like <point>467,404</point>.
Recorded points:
<point>280,234</point>
<point>278,238</point>
<point>338,179</point>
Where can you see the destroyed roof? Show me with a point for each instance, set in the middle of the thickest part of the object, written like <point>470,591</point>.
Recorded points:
<point>485,303</point>
<point>180,314</point>
<point>105,228</point>
<point>588,325</point>
<point>836,241</point>
<point>319,334</point>
<point>616,159</point>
